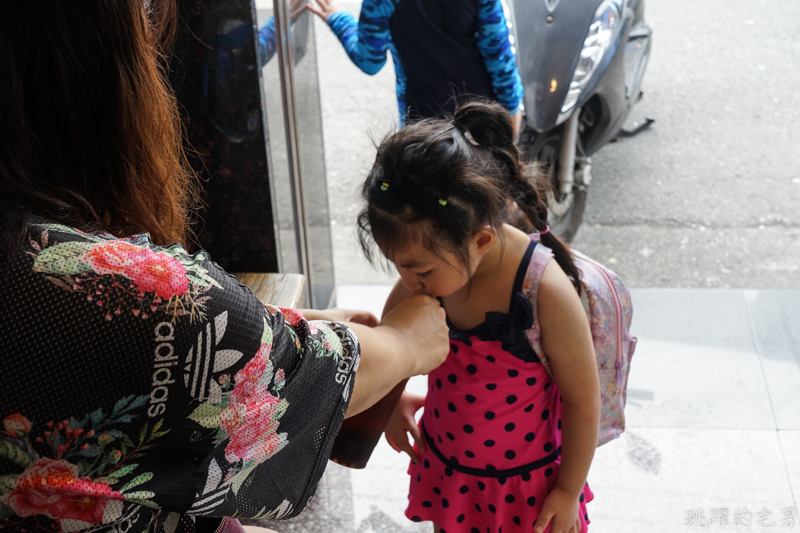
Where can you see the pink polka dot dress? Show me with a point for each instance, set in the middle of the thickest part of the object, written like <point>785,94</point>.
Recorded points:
<point>492,422</point>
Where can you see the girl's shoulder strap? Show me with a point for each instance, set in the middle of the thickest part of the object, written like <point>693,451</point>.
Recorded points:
<point>530,289</point>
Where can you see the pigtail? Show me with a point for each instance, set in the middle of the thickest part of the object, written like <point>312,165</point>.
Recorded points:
<point>489,125</point>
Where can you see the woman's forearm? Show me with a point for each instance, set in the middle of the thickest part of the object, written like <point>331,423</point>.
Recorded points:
<point>384,363</point>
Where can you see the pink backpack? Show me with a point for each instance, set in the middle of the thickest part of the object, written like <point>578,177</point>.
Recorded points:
<point>608,307</point>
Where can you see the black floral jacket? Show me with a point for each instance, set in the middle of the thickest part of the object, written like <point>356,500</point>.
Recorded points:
<point>143,387</point>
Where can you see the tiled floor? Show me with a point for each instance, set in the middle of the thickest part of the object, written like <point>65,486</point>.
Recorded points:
<point>713,423</point>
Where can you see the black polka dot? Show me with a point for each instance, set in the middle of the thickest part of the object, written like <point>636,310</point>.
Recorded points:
<point>582,497</point>
<point>513,373</point>
<point>437,491</point>
<point>469,454</point>
<point>531,381</point>
<point>468,428</point>
<point>451,407</point>
<point>445,503</point>
<point>438,383</point>
<point>559,423</point>
<point>481,485</point>
<point>453,459</point>
<point>517,520</point>
<point>511,399</point>
<point>488,443</point>
<point>560,399</point>
<point>419,478</point>
<point>530,436</point>
<point>454,347</point>
<point>545,414</point>
<point>510,426</point>
<point>448,471</point>
<point>439,438</point>
<point>478,508</point>
<point>491,467</point>
<point>489,415</point>
<point>472,369</point>
<point>547,386</point>
<point>501,480</point>
<point>427,504</point>
<point>491,386</point>
<point>548,447</point>
<point>510,454</point>
<point>510,498</point>
<point>526,476</point>
<point>426,463</point>
<point>529,408</point>
<point>464,489</point>
<point>435,412</point>
<point>452,378</point>
<point>415,518</point>
<point>548,472</point>
<point>449,436</point>
<point>531,501</point>
<point>586,517</point>
<point>460,518</point>
<point>492,508</point>
<point>470,398</point>
<point>475,529</point>
<point>490,358</point>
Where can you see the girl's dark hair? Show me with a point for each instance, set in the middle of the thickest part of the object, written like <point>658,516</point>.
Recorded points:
<point>90,134</point>
<point>456,176</point>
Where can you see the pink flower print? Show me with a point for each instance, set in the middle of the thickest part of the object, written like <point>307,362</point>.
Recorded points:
<point>53,488</point>
<point>159,273</point>
<point>251,417</point>
<point>292,316</point>
<point>113,257</point>
<point>17,425</point>
<point>255,437</point>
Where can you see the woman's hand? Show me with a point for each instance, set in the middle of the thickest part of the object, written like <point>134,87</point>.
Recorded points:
<point>402,423</point>
<point>420,322</point>
<point>562,508</point>
<point>325,10</point>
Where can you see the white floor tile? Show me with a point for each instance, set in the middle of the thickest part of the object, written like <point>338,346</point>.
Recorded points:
<point>687,385</point>
<point>650,478</point>
<point>790,442</point>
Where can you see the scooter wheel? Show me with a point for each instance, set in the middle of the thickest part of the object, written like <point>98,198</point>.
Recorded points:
<point>565,213</point>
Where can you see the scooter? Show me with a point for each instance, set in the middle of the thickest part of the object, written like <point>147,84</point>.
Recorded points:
<point>581,64</point>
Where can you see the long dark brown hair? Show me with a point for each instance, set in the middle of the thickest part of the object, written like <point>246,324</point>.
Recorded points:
<point>442,180</point>
<point>90,134</point>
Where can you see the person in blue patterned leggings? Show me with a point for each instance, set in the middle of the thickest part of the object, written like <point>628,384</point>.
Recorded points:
<point>443,50</point>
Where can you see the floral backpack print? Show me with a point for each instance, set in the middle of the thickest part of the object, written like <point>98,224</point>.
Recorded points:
<point>608,307</point>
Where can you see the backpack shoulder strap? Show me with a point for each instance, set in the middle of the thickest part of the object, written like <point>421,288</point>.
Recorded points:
<point>530,289</point>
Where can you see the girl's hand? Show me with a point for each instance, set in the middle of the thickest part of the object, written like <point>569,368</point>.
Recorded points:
<point>562,509</point>
<point>403,422</point>
<point>325,10</point>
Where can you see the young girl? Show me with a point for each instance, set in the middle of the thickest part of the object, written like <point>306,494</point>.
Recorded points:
<point>501,446</point>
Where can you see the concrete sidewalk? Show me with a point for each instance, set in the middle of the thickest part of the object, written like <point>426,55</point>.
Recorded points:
<point>713,425</point>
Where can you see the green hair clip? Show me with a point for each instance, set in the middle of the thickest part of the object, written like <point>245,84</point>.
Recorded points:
<point>384,186</point>
<point>442,202</point>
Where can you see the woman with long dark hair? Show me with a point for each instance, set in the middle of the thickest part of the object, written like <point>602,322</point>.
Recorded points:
<point>143,388</point>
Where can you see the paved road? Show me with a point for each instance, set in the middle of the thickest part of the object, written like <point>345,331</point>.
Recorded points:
<point>708,197</point>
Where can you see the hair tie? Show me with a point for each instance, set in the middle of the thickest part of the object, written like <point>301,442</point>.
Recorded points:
<point>385,186</point>
<point>442,202</point>
<point>538,234</point>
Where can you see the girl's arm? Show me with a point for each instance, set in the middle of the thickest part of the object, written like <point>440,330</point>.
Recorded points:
<point>495,47</point>
<point>567,341</point>
<point>365,41</point>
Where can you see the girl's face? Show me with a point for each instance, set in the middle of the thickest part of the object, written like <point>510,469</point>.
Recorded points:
<point>439,275</point>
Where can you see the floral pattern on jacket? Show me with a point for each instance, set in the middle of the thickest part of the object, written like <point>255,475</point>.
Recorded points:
<point>144,389</point>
